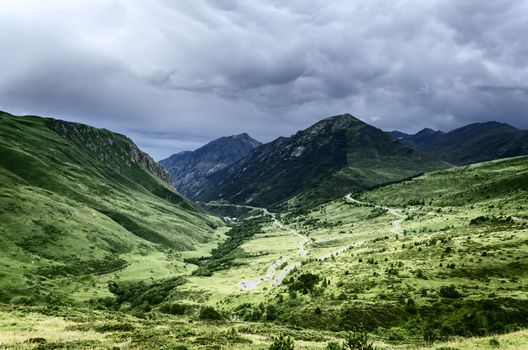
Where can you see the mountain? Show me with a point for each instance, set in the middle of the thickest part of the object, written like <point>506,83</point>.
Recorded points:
<point>77,201</point>
<point>472,143</point>
<point>337,155</point>
<point>190,169</point>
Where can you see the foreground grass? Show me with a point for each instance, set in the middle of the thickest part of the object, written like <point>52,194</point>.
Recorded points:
<point>70,328</point>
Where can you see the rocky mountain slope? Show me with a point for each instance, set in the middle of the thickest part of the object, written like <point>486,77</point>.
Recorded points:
<point>77,201</point>
<point>472,143</point>
<point>120,152</point>
<point>189,169</point>
<point>337,155</point>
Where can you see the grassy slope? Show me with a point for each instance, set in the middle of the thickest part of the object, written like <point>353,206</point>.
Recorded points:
<point>374,280</point>
<point>373,283</point>
<point>29,328</point>
<point>374,290</point>
<point>66,215</point>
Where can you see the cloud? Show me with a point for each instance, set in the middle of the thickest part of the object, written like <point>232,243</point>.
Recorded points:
<point>174,75</point>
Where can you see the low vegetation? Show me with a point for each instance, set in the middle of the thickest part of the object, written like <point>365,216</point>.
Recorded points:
<point>433,262</point>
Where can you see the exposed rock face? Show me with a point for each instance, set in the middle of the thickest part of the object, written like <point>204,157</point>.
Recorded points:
<point>189,169</point>
<point>116,151</point>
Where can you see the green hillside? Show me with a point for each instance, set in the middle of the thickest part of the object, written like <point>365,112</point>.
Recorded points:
<point>95,258</point>
<point>80,204</point>
<point>418,263</point>
<point>449,261</point>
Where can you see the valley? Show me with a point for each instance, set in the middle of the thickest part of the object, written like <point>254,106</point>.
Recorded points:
<point>101,252</point>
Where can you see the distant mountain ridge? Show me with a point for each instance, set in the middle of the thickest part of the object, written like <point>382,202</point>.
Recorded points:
<point>473,143</point>
<point>334,156</point>
<point>189,169</point>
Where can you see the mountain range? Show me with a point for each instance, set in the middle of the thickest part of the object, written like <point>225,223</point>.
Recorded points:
<point>472,143</point>
<point>189,169</point>
<point>337,155</point>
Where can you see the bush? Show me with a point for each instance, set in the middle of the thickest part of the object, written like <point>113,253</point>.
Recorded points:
<point>173,308</point>
<point>209,313</point>
<point>282,342</point>
<point>115,327</point>
<point>22,300</point>
<point>334,346</point>
<point>358,339</point>
<point>494,342</point>
<point>450,292</point>
<point>271,312</point>
<point>396,334</point>
<point>304,282</point>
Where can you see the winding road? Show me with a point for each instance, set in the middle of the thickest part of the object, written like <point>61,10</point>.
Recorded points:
<point>249,285</point>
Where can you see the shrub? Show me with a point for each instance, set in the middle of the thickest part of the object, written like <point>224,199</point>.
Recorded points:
<point>411,306</point>
<point>494,342</point>
<point>396,334</point>
<point>305,282</point>
<point>271,312</point>
<point>282,342</point>
<point>173,308</point>
<point>450,292</point>
<point>115,327</point>
<point>22,300</point>
<point>358,339</point>
<point>209,313</point>
<point>334,346</point>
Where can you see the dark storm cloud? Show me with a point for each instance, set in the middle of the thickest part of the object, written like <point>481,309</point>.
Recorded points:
<point>173,75</point>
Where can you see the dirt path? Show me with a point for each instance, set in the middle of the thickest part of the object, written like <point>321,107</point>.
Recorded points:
<point>249,285</point>
<point>396,224</point>
<point>252,284</point>
<point>396,228</point>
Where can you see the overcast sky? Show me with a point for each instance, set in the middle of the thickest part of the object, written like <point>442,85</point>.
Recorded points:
<point>176,74</point>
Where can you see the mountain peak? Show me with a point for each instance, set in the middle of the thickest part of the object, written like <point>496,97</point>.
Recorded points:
<point>328,159</point>
<point>340,120</point>
<point>426,131</point>
<point>189,169</point>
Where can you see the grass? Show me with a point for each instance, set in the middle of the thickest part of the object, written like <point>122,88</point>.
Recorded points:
<point>74,213</point>
<point>89,261</point>
<point>374,281</point>
<point>45,328</point>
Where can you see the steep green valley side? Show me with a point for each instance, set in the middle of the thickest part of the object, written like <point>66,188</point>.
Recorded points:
<point>78,202</point>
